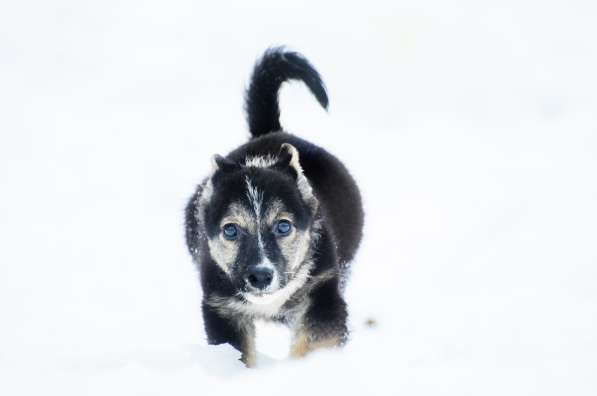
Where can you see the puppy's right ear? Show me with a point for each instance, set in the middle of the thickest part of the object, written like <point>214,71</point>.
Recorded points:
<point>222,164</point>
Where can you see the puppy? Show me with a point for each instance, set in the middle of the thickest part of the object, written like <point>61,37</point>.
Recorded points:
<point>275,225</point>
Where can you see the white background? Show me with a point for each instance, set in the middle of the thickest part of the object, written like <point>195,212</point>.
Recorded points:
<point>470,126</point>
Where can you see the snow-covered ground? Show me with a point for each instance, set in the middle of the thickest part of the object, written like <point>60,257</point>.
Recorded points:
<point>472,129</point>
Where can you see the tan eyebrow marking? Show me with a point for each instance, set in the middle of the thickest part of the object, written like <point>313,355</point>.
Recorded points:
<point>238,214</point>
<point>277,211</point>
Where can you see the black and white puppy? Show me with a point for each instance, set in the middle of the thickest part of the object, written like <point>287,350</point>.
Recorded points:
<point>274,226</point>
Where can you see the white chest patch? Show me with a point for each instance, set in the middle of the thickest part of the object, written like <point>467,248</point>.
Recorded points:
<point>261,161</point>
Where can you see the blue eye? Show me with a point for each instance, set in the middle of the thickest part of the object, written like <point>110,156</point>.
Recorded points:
<point>230,231</point>
<point>283,227</point>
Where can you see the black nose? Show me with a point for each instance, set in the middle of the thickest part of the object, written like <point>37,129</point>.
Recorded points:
<point>260,278</point>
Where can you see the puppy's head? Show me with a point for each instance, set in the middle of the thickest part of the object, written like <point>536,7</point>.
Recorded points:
<point>258,218</point>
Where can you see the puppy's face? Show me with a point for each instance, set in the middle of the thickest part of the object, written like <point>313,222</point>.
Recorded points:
<point>258,217</point>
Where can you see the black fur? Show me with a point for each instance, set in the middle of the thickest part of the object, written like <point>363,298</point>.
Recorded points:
<point>335,189</point>
<point>275,67</point>
<point>339,210</point>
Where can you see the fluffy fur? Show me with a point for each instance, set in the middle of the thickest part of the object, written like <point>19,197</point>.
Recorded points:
<point>272,179</point>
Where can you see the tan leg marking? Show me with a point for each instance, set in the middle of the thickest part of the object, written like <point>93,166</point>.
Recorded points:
<point>302,344</point>
<point>249,359</point>
<point>249,355</point>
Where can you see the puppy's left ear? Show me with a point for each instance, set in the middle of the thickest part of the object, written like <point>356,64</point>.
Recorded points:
<point>222,164</point>
<point>289,159</point>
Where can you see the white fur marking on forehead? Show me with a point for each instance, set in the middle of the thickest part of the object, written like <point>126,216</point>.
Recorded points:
<point>261,244</point>
<point>255,197</point>
<point>261,161</point>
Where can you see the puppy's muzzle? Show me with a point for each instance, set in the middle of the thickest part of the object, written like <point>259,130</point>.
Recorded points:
<point>260,278</point>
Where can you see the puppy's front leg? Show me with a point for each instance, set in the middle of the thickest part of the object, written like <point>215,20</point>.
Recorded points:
<point>323,324</point>
<point>238,332</point>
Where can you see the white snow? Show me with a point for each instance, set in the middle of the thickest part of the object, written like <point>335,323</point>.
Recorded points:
<point>470,126</point>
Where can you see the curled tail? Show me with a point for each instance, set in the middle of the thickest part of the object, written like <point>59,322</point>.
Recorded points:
<point>261,101</point>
